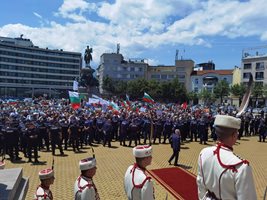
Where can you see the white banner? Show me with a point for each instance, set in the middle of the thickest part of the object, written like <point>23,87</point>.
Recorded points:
<point>93,100</point>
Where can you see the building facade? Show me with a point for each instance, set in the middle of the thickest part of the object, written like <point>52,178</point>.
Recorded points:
<point>254,61</point>
<point>257,66</point>
<point>114,66</point>
<point>209,78</point>
<point>27,70</point>
<point>236,75</point>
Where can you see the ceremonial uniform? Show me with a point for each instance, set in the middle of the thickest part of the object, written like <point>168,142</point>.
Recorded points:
<point>137,184</point>
<point>43,192</point>
<point>222,174</point>
<point>84,187</point>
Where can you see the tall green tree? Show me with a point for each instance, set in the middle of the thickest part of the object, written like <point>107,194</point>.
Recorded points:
<point>205,96</point>
<point>178,91</point>
<point>166,91</point>
<point>120,87</point>
<point>109,84</point>
<point>136,88</point>
<point>238,90</point>
<point>154,89</point>
<point>221,89</point>
<point>257,92</point>
<point>265,90</point>
<point>192,96</point>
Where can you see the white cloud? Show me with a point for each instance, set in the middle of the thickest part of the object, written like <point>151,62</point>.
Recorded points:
<point>75,9</point>
<point>141,26</point>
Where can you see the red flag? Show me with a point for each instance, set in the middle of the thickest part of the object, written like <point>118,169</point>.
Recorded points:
<point>184,105</point>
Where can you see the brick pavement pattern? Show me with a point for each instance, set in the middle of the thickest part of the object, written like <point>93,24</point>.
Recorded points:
<point>113,162</point>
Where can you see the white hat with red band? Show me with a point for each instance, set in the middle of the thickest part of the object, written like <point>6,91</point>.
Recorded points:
<point>142,151</point>
<point>87,163</point>
<point>46,174</point>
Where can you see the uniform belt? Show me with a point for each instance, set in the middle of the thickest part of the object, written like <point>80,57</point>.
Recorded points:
<point>212,195</point>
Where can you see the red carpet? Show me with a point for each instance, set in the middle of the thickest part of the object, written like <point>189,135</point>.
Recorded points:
<point>179,182</point>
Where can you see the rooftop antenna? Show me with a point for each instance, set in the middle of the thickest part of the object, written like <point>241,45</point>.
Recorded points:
<point>21,35</point>
<point>176,55</point>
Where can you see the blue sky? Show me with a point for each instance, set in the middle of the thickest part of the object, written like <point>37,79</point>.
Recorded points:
<point>216,30</point>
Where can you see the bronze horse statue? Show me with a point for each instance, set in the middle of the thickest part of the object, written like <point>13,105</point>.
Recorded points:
<point>87,55</point>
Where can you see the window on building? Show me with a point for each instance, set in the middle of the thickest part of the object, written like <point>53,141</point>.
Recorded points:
<point>246,75</point>
<point>180,69</point>
<point>209,90</point>
<point>196,81</point>
<point>260,66</point>
<point>259,75</point>
<point>164,76</point>
<point>132,69</point>
<point>247,66</point>
<point>196,89</point>
<point>155,76</point>
<point>181,76</point>
<point>140,69</point>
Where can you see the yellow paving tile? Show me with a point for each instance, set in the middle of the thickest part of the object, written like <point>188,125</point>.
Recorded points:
<point>113,162</point>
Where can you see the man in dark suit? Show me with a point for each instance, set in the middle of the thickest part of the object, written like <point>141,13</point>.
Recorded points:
<point>175,140</point>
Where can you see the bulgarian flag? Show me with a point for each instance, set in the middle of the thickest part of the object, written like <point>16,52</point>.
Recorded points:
<point>74,99</point>
<point>147,98</point>
<point>114,106</point>
<point>124,104</point>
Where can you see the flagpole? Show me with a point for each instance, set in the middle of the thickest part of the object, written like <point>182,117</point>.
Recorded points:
<point>151,129</point>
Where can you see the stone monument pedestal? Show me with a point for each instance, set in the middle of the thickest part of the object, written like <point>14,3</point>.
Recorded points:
<point>12,185</point>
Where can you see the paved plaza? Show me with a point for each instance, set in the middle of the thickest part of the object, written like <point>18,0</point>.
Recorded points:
<point>113,162</point>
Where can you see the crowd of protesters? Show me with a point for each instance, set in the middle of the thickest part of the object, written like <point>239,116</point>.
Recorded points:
<point>47,125</point>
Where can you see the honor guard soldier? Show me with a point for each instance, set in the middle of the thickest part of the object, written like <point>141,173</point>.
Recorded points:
<point>137,184</point>
<point>43,192</point>
<point>222,174</point>
<point>84,187</point>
